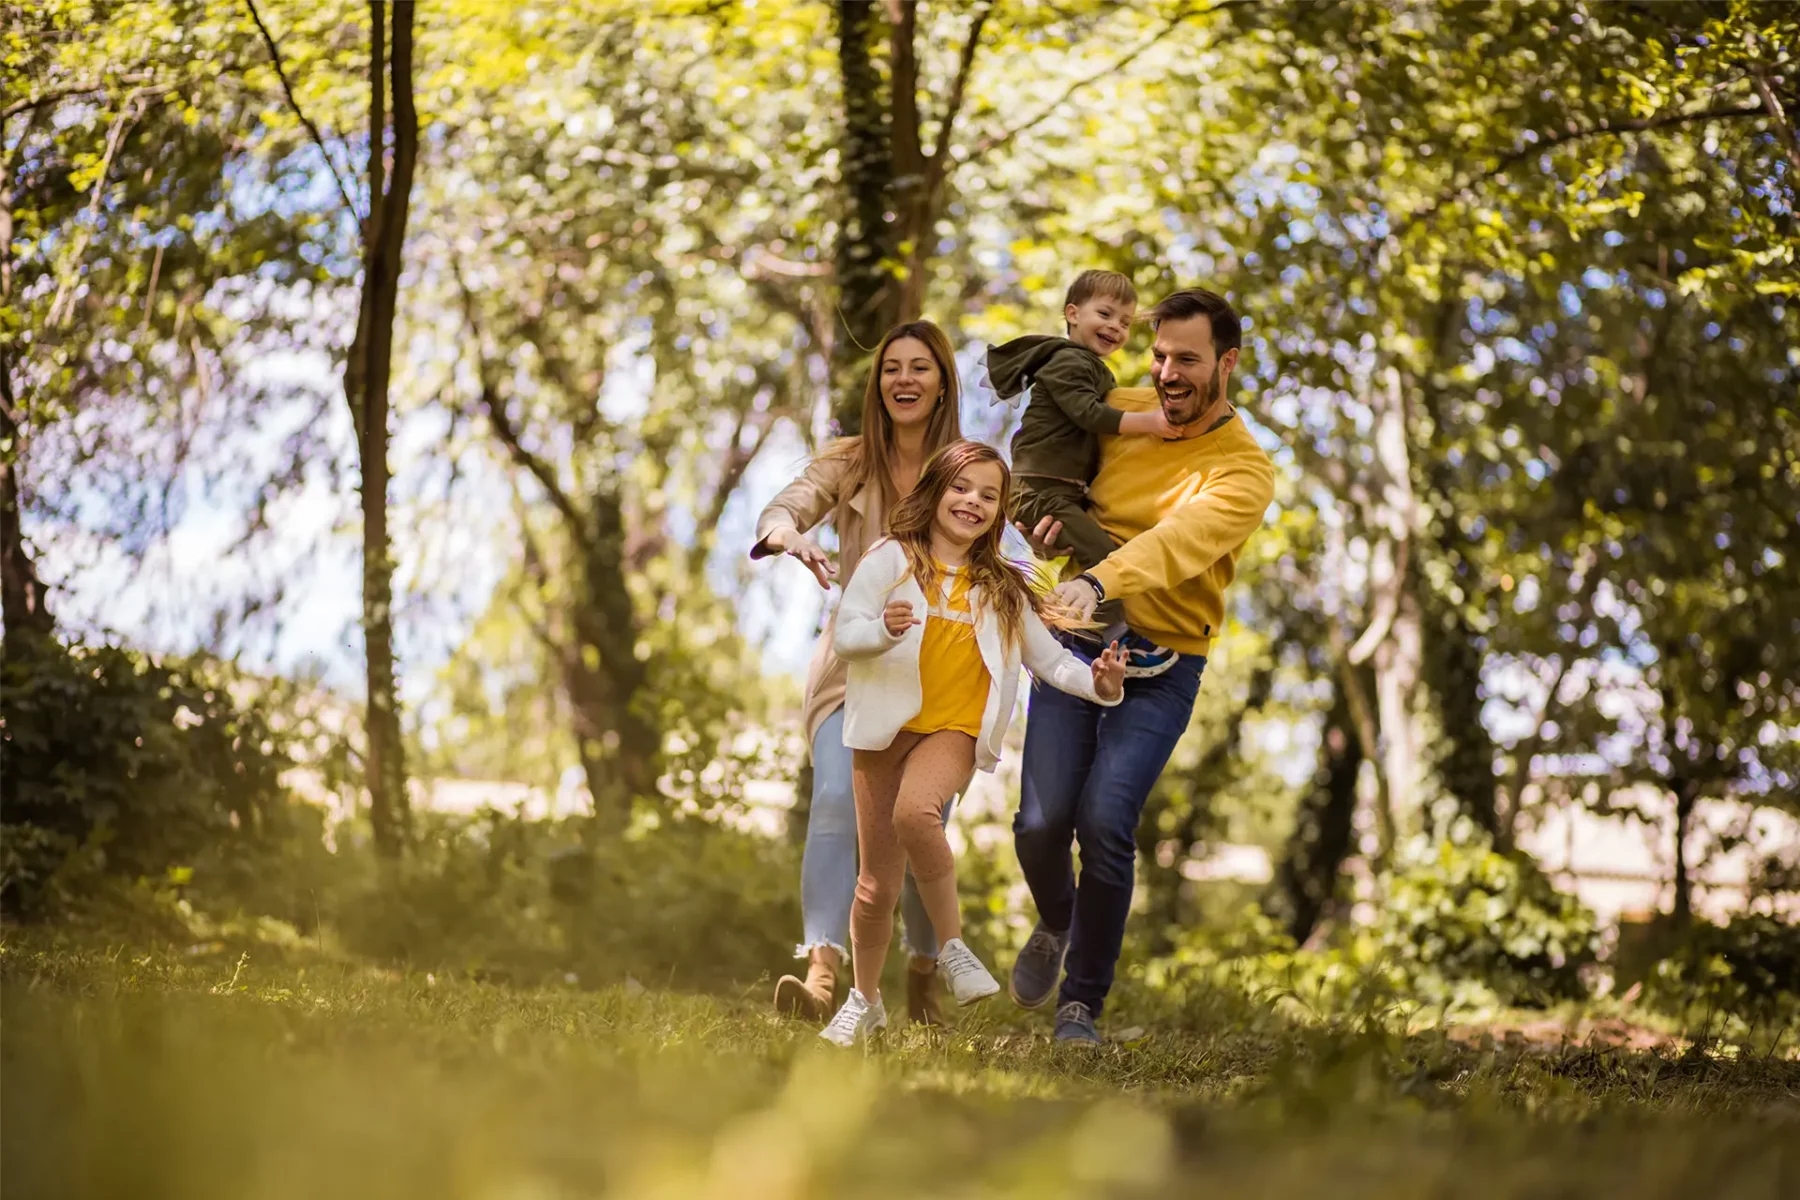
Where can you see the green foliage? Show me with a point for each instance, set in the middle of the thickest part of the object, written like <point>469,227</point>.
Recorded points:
<point>1748,968</point>
<point>1468,914</point>
<point>1464,929</point>
<point>687,902</point>
<point>122,766</point>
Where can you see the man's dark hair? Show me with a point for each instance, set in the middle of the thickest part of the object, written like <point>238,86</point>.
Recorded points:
<point>1227,330</point>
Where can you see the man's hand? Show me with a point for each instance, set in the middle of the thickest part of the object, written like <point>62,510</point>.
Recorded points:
<point>1109,673</point>
<point>1079,597</point>
<point>809,552</point>
<point>1043,537</point>
<point>898,617</point>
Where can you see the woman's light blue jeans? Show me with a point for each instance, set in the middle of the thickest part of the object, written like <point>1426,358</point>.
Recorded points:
<point>828,869</point>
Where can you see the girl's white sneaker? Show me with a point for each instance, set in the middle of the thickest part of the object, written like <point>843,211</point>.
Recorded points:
<point>969,981</point>
<point>855,1021</point>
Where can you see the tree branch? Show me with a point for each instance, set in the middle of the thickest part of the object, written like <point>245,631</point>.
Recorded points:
<point>288,90</point>
<point>495,406</point>
<point>1462,190</point>
<point>62,304</point>
<point>51,97</point>
<point>1779,115</point>
<point>958,89</point>
<point>1118,64</point>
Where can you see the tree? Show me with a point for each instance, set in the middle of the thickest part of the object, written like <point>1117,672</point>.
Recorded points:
<point>366,375</point>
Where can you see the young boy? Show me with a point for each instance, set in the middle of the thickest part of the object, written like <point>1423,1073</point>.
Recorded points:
<point>1056,450</point>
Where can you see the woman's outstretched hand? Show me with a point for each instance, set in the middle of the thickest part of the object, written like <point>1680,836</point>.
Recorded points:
<point>809,552</point>
<point>898,617</point>
<point>1109,673</point>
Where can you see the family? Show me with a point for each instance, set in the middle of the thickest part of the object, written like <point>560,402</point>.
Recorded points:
<point>1152,494</point>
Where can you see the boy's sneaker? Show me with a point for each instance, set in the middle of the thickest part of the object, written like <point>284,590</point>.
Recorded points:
<point>1143,657</point>
<point>855,1021</point>
<point>1075,1025</point>
<point>1038,968</point>
<point>969,981</point>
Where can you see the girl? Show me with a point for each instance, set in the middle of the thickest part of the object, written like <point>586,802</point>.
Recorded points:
<point>909,413</point>
<point>931,691</point>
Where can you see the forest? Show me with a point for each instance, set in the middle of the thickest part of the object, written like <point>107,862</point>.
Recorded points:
<point>404,781</point>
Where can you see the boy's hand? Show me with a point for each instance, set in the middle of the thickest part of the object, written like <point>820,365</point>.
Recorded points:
<point>898,617</point>
<point>1109,673</point>
<point>1154,423</point>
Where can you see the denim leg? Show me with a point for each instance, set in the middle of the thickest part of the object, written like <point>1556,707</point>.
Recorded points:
<point>1134,743</point>
<point>828,866</point>
<point>1060,737</point>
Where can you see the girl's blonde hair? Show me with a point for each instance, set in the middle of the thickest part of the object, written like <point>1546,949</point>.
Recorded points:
<point>870,454</point>
<point>1005,586</point>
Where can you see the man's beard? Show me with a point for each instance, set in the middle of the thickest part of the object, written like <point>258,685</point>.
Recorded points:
<point>1203,398</point>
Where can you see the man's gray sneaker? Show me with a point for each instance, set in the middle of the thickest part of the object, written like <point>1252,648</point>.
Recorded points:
<point>1075,1025</point>
<point>1039,968</point>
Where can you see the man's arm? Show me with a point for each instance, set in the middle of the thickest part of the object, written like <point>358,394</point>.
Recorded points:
<point>1186,543</point>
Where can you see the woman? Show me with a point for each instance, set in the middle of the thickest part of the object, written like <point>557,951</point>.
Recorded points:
<point>910,412</point>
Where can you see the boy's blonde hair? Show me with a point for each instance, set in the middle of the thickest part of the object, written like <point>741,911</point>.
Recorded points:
<point>1110,284</point>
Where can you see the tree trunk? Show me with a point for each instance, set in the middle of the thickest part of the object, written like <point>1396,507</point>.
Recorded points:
<point>366,380</point>
<point>22,602</point>
<point>621,748</point>
<point>1686,792</point>
<point>1453,672</point>
<point>1307,877</point>
<point>1394,639</point>
<point>867,299</point>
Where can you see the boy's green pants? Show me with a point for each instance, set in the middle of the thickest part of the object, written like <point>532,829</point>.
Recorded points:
<point>1041,496</point>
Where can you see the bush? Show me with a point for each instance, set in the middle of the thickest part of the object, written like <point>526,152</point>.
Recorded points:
<point>1465,929</point>
<point>1748,969</point>
<point>688,902</point>
<point>118,766</point>
<point>1471,914</point>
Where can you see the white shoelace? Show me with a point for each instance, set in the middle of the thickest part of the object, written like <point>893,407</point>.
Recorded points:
<point>960,960</point>
<point>848,1019</point>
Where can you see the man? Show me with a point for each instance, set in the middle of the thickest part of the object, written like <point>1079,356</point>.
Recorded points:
<point>1182,511</point>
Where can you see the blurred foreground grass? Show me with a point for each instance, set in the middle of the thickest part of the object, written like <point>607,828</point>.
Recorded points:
<point>151,1074</point>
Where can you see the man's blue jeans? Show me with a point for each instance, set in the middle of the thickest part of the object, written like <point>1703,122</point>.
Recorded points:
<point>1087,772</point>
<point>828,868</point>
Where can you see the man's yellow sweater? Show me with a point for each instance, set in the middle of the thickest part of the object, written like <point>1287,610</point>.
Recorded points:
<point>1183,511</point>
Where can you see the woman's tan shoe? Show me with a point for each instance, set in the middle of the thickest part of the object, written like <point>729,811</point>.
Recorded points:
<point>814,997</point>
<point>922,992</point>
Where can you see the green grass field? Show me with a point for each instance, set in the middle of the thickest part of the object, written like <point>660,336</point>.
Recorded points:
<point>221,1074</point>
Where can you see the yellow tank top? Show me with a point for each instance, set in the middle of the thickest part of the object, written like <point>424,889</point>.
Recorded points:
<point>953,680</point>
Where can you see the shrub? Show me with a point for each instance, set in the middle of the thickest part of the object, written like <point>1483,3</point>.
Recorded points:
<point>688,902</point>
<point>120,766</point>
<point>1748,968</point>
<point>1471,914</point>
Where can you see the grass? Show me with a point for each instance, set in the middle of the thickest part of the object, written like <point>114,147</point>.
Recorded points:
<point>230,1074</point>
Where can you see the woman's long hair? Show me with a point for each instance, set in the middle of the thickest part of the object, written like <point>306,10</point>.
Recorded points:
<point>870,454</point>
<point>1005,587</point>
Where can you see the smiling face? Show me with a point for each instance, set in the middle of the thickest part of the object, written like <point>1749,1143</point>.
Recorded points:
<point>1190,376</point>
<point>1100,323</point>
<point>971,504</point>
<point>912,383</point>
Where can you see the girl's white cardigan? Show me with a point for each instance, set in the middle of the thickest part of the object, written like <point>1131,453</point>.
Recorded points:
<point>884,671</point>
